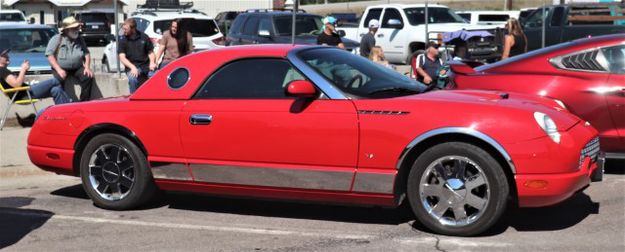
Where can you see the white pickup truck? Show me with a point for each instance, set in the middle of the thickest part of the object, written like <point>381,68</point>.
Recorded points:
<point>402,29</point>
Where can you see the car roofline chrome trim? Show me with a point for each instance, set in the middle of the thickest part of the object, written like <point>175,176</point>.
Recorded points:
<point>457,130</point>
<point>326,87</point>
<point>614,155</point>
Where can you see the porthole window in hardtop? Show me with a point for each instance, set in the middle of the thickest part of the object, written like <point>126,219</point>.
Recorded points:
<point>257,78</point>
<point>178,78</point>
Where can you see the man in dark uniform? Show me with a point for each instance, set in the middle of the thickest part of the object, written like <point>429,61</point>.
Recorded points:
<point>329,36</point>
<point>136,52</point>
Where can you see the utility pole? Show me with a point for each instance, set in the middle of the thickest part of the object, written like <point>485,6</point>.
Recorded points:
<point>427,35</point>
<point>544,20</point>
<point>295,7</point>
<point>116,18</point>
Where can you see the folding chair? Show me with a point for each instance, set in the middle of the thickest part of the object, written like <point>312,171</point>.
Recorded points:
<point>11,94</point>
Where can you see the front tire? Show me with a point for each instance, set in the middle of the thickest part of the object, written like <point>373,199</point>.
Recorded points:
<point>115,173</point>
<point>458,189</point>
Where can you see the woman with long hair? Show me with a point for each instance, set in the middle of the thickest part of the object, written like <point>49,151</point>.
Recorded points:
<point>377,55</point>
<point>175,43</point>
<point>515,42</point>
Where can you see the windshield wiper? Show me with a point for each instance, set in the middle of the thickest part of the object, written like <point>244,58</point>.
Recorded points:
<point>394,90</point>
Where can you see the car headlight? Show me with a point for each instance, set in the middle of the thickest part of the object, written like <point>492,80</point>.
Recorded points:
<point>548,125</point>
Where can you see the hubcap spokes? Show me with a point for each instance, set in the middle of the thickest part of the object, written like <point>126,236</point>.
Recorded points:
<point>454,191</point>
<point>111,172</point>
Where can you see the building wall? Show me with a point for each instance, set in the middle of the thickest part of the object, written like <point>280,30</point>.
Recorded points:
<point>32,10</point>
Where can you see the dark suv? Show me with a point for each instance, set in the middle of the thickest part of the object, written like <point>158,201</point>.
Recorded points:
<point>275,27</point>
<point>96,25</point>
<point>224,20</point>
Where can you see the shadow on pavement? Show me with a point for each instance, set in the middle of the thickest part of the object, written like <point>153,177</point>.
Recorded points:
<point>75,191</point>
<point>615,166</point>
<point>16,222</point>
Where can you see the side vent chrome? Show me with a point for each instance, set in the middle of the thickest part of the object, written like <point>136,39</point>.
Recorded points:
<point>587,61</point>
<point>382,112</point>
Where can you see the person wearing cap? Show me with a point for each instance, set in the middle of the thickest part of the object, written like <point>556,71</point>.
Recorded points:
<point>428,64</point>
<point>329,36</point>
<point>368,40</point>
<point>136,52</point>
<point>69,57</point>
<point>44,89</point>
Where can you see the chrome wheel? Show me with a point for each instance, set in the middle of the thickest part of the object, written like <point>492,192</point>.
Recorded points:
<point>111,172</point>
<point>454,191</point>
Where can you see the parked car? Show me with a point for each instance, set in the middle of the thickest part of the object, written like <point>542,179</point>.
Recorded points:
<point>275,27</point>
<point>498,18</point>
<point>402,31</point>
<point>206,34</point>
<point>224,20</point>
<point>572,21</point>
<point>586,75</point>
<point>343,18</point>
<point>27,42</point>
<point>326,126</point>
<point>96,25</point>
<point>12,16</point>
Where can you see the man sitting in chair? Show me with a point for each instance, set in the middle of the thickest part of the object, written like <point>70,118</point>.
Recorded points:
<point>48,88</point>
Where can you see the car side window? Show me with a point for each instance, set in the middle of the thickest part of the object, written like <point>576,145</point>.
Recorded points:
<point>250,26</point>
<point>237,26</point>
<point>142,24</point>
<point>265,25</point>
<point>616,58</point>
<point>390,13</point>
<point>556,18</point>
<point>256,83</point>
<point>372,14</point>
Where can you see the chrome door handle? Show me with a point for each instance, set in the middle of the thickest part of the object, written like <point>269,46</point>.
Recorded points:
<point>200,119</point>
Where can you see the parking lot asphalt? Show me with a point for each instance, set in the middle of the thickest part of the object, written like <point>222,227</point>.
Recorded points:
<point>44,211</point>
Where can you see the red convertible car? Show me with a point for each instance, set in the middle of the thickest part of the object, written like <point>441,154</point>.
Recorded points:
<point>587,76</point>
<point>320,124</point>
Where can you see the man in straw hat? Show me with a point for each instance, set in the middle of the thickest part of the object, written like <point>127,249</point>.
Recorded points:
<point>69,57</point>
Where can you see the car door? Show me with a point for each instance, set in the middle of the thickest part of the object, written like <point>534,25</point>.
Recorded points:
<point>240,128</point>
<point>615,91</point>
<point>392,37</point>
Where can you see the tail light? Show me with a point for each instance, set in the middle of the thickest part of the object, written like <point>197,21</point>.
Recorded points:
<point>219,41</point>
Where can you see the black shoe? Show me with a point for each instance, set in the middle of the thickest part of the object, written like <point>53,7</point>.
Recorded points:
<point>26,121</point>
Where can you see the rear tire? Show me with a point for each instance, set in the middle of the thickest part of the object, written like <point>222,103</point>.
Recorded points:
<point>115,173</point>
<point>458,189</point>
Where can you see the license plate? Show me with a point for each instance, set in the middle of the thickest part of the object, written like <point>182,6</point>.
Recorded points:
<point>95,27</point>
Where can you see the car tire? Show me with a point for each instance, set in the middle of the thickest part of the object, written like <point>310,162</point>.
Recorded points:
<point>451,200</point>
<point>115,173</point>
<point>105,66</point>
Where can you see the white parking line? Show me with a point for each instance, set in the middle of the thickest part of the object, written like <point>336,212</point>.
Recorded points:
<point>449,241</point>
<point>189,226</point>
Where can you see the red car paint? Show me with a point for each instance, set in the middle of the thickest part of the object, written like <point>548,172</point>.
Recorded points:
<point>362,145</point>
<point>595,96</point>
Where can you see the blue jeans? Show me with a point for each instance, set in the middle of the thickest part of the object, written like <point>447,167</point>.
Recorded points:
<point>50,88</point>
<point>135,82</point>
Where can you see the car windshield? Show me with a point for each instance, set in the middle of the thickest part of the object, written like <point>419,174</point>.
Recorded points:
<point>15,17</point>
<point>197,27</point>
<point>359,77</point>
<point>26,40</point>
<point>304,25</point>
<point>416,16</point>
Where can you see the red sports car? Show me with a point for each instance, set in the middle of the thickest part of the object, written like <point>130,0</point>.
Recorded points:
<point>320,124</point>
<point>587,76</point>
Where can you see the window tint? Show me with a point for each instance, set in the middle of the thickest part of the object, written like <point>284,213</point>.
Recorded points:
<point>466,16</point>
<point>238,25</point>
<point>372,14</point>
<point>256,83</point>
<point>265,25</point>
<point>616,58</point>
<point>197,27</point>
<point>304,25</point>
<point>416,16</point>
<point>390,13</point>
<point>142,24</point>
<point>536,19</point>
<point>556,19</point>
<point>12,17</point>
<point>178,78</point>
<point>250,26</point>
<point>25,40</point>
<point>493,17</point>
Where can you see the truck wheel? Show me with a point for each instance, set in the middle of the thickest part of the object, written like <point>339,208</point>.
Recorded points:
<point>457,189</point>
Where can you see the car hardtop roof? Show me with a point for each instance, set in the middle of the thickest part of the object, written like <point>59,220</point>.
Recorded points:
<point>170,15</point>
<point>278,13</point>
<point>403,6</point>
<point>15,25</point>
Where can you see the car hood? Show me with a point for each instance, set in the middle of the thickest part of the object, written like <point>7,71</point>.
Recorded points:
<point>38,62</point>
<point>312,40</point>
<point>483,101</point>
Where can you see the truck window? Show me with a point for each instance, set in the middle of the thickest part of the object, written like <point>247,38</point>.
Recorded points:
<point>304,25</point>
<point>250,26</point>
<point>536,18</point>
<point>237,25</point>
<point>556,18</point>
<point>466,16</point>
<point>372,14</point>
<point>616,59</point>
<point>391,13</point>
<point>265,25</point>
<point>416,16</point>
<point>493,17</point>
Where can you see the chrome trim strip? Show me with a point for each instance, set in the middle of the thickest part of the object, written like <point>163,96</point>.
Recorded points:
<point>374,182</point>
<point>273,177</point>
<point>173,171</point>
<point>614,155</point>
<point>326,87</point>
<point>382,112</point>
<point>460,130</point>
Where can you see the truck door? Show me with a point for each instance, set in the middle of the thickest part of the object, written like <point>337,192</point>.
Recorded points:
<point>555,24</point>
<point>391,36</point>
<point>373,13</point>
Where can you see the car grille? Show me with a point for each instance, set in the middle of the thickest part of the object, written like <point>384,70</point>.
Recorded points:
<point>591,149</point>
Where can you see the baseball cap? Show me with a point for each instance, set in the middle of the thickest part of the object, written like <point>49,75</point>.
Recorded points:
<point>329,20</point>
<point>433,44</point>
<point>374,23</point>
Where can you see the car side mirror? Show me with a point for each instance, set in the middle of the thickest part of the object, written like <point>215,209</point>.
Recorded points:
<point>395,24</point>
<point>264,33</point>
<point>341,33</point>
<point>301,88</point>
